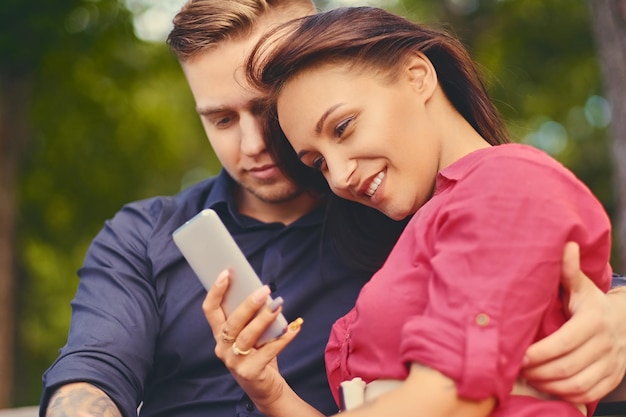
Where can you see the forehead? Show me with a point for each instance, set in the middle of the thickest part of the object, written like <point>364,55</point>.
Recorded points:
<point>317,87</point>
<point>306,97</point>
<point>216,77</point>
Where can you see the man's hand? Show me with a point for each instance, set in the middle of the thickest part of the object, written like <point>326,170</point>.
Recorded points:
<point>586,358</point>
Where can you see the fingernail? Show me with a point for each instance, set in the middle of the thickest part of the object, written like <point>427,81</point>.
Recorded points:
<point>295,325</point>
<point>221,279</point>
<point>275,304</point>
<point>261,294</point>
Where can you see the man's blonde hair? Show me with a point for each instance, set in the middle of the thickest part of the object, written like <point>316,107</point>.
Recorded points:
<point>203,24</point>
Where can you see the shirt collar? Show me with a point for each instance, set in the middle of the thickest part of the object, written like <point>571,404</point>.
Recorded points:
<point>458,169</point>
<point>221,198</point>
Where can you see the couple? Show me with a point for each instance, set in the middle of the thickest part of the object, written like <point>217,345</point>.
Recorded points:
<point>138,335</point>
<point>395,117</point>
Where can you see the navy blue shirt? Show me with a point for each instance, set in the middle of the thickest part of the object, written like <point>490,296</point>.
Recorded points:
<point>138,331</point>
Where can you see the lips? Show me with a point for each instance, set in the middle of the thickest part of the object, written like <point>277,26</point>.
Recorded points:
<point>264,172</point>
<point>373,186</point>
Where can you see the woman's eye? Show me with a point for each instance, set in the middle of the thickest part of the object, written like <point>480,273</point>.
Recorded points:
<point>318,163</point>
<point>341,127</point>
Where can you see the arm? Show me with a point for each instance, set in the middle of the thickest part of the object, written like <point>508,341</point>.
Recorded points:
<point>426,392</point>
<point>110,342</point>
<point>585,359</point>
<point>81,399</point>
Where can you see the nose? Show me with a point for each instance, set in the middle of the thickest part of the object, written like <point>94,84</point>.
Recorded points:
<point>339,174</point>
<point>252,142</point>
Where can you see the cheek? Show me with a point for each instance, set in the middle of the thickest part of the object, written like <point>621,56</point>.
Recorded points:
<point>224,144</point>
<point>289,123</point>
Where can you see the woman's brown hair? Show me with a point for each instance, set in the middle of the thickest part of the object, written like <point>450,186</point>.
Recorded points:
<point>375,40</point>
<point>372,38</point>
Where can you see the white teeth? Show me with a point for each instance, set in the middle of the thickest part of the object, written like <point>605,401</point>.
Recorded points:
<point>375,183</point>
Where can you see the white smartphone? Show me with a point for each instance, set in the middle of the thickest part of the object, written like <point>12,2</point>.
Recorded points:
<point>209,249</point>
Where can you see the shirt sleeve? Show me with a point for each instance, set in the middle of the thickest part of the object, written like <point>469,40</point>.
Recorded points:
<point>114,320</point>
<point>618,281</point>
<point>494,284</point>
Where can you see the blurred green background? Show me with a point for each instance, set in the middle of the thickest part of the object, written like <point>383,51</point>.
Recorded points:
<point>99,114</point>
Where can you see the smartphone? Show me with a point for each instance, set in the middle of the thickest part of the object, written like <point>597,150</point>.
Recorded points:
<point>209,249</point>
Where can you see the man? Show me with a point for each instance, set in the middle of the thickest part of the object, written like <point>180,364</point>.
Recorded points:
<point>138,335</point>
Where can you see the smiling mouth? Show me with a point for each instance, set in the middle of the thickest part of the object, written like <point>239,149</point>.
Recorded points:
<point>374,184</point>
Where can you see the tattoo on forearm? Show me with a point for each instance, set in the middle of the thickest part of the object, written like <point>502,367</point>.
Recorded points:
<point>81,400</point>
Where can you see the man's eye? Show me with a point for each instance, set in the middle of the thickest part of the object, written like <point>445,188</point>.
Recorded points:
<point>223,122</point>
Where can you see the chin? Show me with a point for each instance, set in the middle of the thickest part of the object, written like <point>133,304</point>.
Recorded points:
<point>397,213</point>
<point>275,193</point>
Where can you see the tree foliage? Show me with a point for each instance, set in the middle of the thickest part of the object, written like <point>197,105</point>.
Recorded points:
<point>111,120</point>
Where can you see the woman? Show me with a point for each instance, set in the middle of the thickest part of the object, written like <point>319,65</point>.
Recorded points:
<point>395,117</point>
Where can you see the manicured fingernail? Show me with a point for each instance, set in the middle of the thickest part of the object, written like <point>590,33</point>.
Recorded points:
<point>275,304</point>
<point>261,294</point>
<point>221,279</point>
<point>295,325</point>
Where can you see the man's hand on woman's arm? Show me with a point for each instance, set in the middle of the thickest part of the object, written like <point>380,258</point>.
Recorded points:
<point>586,358</point>
<point>81,399</point>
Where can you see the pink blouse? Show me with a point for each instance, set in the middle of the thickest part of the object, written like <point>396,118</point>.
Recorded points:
<point>474,278</point>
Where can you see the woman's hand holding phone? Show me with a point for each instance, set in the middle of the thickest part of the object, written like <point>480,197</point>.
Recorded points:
<point>255,369</point>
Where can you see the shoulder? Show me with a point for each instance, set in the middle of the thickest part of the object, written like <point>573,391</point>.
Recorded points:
<point>518,166</point>
<point>156,216</point>
<point>513,156</point>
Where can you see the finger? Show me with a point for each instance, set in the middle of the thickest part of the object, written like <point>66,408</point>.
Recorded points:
<point>211,306</point>
<point>247,310</point>
<point>569,337</point>
<point>264,318</point>
<point>567,366</point>
<point>259,358</point>
<point>571,277</point>
<point>586,386</point>
<point>564,341</point>
<point>271,349</point>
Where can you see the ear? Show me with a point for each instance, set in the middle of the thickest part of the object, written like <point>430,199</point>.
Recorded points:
<point>421,74</point>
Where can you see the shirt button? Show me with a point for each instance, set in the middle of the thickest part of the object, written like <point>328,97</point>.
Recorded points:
<point>482,319</point>
<point>250,406</point>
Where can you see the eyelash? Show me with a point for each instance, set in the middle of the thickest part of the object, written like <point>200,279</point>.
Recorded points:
<point>223,122</point>
<point>341,127</point>
<point>318,162</point>
<point>339,130</point>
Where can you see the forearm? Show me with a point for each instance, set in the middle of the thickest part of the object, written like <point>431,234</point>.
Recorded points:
<point>81,399</point>
<point>618,298</point>
<point>426,392</point>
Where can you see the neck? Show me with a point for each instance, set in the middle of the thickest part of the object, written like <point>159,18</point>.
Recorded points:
<point>458,137</point>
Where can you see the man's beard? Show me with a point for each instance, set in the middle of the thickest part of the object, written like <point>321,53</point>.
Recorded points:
<point>273,195</point>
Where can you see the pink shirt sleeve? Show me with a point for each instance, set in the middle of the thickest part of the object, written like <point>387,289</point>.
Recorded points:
<point>494,284</point>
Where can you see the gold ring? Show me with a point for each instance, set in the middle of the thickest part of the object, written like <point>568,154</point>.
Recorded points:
<point>236,350</point>
<point>226,338</point>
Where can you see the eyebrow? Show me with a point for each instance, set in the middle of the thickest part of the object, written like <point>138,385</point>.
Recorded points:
<point>255,105</point>
<point>301,154</point>
<point>207,111</point>
<point>320,122</point>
